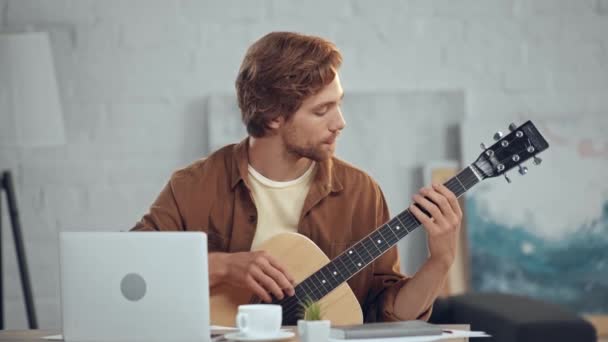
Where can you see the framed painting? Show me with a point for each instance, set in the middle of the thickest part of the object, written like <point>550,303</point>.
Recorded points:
<point>545,235</point>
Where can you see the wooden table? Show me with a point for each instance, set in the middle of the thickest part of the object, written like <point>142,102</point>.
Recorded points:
<point>37,335</point>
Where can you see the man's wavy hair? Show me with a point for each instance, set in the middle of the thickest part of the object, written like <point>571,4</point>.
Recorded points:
<point>279,72</point>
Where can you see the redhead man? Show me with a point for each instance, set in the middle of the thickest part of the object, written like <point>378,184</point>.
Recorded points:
<point>284,177</point>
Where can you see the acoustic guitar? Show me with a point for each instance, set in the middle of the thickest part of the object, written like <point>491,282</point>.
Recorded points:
<point>320,279</point>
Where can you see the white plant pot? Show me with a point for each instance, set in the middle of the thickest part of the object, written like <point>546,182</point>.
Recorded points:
<point>314,331</point>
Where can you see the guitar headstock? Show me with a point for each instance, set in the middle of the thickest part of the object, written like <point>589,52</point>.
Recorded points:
<point>522,143</point>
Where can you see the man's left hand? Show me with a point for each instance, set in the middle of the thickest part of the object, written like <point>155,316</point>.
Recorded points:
<point>444,227</point>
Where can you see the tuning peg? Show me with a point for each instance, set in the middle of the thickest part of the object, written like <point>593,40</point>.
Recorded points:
<point>498,135</point>
<point>523,170</point>
<point>512,127</point>
<point>537,160</point>
<point>507,178</point>
<point>483,146</point>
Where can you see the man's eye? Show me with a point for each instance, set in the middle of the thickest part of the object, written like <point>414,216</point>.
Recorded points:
<point>321,111</point>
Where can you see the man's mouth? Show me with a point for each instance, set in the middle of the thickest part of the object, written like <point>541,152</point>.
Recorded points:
<point>331,140</point>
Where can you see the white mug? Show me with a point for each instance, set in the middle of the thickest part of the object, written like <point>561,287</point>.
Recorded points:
<point>259,320</point>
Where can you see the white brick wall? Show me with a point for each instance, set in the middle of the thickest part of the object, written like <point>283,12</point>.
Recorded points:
<point>134,76</point>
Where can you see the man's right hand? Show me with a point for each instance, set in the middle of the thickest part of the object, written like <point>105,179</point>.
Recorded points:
<point>258,271</point>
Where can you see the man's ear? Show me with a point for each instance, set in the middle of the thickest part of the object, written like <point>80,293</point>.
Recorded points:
<point>276,123</point>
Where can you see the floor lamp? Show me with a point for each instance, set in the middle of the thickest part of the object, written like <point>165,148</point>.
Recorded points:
<point>30,116</point>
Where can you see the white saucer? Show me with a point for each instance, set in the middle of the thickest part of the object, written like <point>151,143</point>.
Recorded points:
<point>238,336</point>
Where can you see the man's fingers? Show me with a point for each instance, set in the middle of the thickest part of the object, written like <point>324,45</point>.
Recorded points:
<point>258,290</point>
<point>429,206</point>
<point>438,199</point>
<point>279,278</point>
<point>269,284</point>
<point>425,220</point>
<point>442,202</point>
<point>451,198</point>
<point>276,264</point>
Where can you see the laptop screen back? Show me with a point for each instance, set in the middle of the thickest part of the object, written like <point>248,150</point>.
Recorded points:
<point>134,286</point>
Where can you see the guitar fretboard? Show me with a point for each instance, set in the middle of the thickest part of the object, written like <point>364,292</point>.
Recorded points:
<point>364,252</point>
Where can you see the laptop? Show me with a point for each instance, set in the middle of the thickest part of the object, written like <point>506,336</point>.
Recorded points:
<point>134,286</point>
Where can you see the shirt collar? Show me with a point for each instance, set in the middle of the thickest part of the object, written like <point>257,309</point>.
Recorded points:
<point>326,176</point>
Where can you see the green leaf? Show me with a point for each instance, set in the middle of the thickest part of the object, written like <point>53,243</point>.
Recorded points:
<point>311,310</point>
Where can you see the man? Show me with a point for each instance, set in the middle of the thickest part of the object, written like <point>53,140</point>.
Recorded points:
<point>284,178</point>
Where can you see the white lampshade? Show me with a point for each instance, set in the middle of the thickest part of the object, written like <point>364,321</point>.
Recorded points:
<point>30,108</point>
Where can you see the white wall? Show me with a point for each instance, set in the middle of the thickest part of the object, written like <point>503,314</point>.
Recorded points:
<point>134,76</point>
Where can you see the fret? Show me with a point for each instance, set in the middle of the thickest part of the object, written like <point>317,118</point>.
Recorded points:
<point>315,289</point>
<point>404,217</point>
<point>330,277</point>
<point>346,268</point>
<point>325,280</point>
<point>374,250</point>
<point>453,185</point>
<point>411,222</point>
<point>378,241</point>
<point>365,251</point>
<point>464,188</point>
<point>400,229</point>
<point>387,233</point>
<point>366,243</point>
<point>345,255</point>
<point>415,223</point>
<point>352,270</point>
<point>301,292</point>
<point>468,178</point>
<point>462,182</point>
<point>360,262</point>
<point>311,290</point>
<point>321,281</point>
<point>371,256</point>
<point>392,227</point>
<point>334,272</point>
<point>314,282</point>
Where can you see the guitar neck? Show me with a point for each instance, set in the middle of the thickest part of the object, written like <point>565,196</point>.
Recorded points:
<point>364,252</point>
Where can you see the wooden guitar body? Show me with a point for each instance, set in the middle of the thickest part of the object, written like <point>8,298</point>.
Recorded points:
<point>301,257</point>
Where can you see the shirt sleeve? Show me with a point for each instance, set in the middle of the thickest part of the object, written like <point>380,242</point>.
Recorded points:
<point>387,278</point>
<point>164,213</point>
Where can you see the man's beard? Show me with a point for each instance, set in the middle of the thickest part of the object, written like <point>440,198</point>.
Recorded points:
<point>310,151</point>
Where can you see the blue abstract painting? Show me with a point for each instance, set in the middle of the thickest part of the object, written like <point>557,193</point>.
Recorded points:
<point>545,235</point>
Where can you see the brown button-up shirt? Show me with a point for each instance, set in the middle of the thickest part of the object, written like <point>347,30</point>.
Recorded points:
<point>343,205</point>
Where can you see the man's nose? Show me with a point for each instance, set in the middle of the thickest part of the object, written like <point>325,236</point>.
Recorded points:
<point>339,123</point>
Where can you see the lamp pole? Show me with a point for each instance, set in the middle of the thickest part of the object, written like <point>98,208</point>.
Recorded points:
<point>7,186</point>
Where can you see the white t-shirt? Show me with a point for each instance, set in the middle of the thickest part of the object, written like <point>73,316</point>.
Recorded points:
<point>279,204</point>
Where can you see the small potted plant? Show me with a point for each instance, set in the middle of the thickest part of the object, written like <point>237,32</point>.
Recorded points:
<point>312,327</point>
